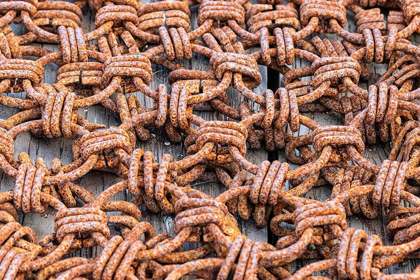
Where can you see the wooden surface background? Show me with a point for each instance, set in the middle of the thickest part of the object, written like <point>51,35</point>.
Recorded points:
<point>96,182</point>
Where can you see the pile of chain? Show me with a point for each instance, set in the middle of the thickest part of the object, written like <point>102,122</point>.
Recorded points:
<point>104,66</point>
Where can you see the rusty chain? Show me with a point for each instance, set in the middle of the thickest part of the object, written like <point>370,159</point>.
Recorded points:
<point>105,66</point>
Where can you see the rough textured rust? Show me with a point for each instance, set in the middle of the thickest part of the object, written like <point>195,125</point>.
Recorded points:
<point>236,37</point>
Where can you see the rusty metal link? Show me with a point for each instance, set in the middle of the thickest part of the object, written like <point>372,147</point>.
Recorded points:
<point>344,179</point>
<point>375,49</point>
<point>389,184</point>
<point>382,106</point>
<point>409,151</point>
<point>370,19</point>
<point>330,214</point>
<point>195,85</point>
<point>372,26</point>
<point>221,39</point>
<point>9,45</point>
<point>349,254</point>
<point>284,42</point>
<point>67,192</point>
<point>384,109</point>
<point>210,153</point>
<point>289,110</point>
<point>404,143</point>
<point>222,133</point>
<point>50,16</point>
<point>83,73</point>
<point>109,144</point>
<point>11,9</point>
<point>409,9</point>
<point>205,211</point>
<point>259,16</point>
<point>27,190</point>
<point>352,107</point>
<point>176,43</point>
<point>227,64</point>
<point>269,182</point>
<point>79,220</point>
<point>274,122</point>
<point>337,136</point>
<point>284,20</point>
<point>406,71</point>
<point>133,66</point>
<point>20,69</point>
<point>9,213</point>
<point>7,145</point>
<point>153,186</point>
<point>219,11</point>
<point>328,71</point>
<point>73,45</point>
<point>166,13</point>
<point>297,143</point>
<point>58,114</point>
<point>117,14</point>
<point>255,136</point>
<point>396,18</point>
<point>323,11</point>
<point>119,254</point>
<point>179,109</point>
<point>129,107</point>
<point>61,266</point>
<point>345,48</point>
<point>248,253</point>
<point>18,246</point>
<point>366,3</point>
<point>402,225</point>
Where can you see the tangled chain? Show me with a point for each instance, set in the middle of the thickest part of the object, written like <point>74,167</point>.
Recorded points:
<point>104,66</point>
